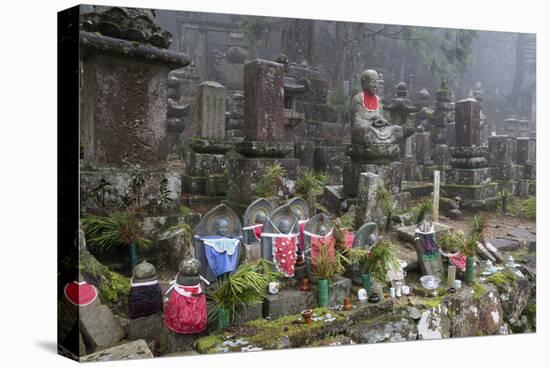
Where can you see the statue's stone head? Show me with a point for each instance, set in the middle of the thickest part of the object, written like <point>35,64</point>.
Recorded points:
<point>284,225</point>
<point>369,81</point>
<point>297,213</point>
<point>401,90</point>
<point>423,95</point>
<point>260,217</point>
<point>222,226</point>
<point>372,239</point>
<point>323,230</point>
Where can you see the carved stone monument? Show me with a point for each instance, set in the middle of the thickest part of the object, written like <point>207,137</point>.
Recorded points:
<point>470,177</point>
<point>205,161</point>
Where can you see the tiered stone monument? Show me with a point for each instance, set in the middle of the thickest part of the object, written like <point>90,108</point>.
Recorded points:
<point>470,178</point>
<point>528,160</point>
<point>503,162</point>
<point>123,137</point>
<point>484,130</point>
<point>205,161</point>
<point>263,144</point>
<point>442,129</point>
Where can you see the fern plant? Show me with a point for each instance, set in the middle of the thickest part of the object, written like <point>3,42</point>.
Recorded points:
<point>117,228</point>
<point>327,266</point>
<point>309,185</point>
<point>381,258</point>
<point>387,205</point>
<point>247,285</point>
<point>271,181</point>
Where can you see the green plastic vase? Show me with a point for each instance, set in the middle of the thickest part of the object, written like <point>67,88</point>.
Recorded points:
<point>133,255</point>
<point>322,288</point>
<point>366,282</point>
<point>469,270</point>
<point>223,318</point>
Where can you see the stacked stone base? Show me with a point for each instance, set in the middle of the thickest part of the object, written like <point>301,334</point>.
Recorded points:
<point>390,173</point>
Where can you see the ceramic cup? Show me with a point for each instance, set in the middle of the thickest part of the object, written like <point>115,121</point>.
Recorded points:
<point>273,287</point>
<point>458,283</point>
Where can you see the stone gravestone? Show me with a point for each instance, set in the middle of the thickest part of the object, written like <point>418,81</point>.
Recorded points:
<point>99,327</point>
<point>254,219</point>
<point>263,103</point>
<point>205,160</point>
<point>221,221</point>
<point>263,145</point>
<point>470,177</point>
<point>526,157</point>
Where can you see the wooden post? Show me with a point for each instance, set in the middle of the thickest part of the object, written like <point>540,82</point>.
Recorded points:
<point>436,196</point>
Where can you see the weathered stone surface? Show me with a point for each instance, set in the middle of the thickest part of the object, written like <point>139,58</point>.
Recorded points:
<point>522,234</point>
<point>252,251</point>
<point>470,192</point>
<point>330,161</point>
<point>171,342</point>
<point>116,188</point>
<point>422,148</point>
<point>390,173</point>
<point>210,111</point>
<point>287,302</point>
<point>367,206</point>
<point>133,350</point>
<point>271,149</point>
<point>461,176</point>
<point>123,118</point>
<point>200,164</point>
<point>263,103</point>
<point>434,324</point>
<point>514,298</point>
<point>526,150</point>
<point>339,288</point>
<point>245,313</point>
<point>408,233</point>
<point>467,122</point>
<point>333,196</point>
<point>387,328</point>
<point>245,173</point>
<point>99,327</point>
<point>502,150</point>
<point>147,327</point>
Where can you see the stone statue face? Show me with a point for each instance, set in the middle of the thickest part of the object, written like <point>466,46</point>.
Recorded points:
<point>323,230</point>
<point>284,225</point>
<point>260,218</point>
<point>222,227</point>
<point>369,80</point>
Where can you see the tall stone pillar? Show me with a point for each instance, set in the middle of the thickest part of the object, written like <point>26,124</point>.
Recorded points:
<point>263,144</point>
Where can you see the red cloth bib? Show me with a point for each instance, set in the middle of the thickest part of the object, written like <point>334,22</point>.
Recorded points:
<point>284,255</point>
<point>301,227</point>
<point>317,243</point>
<point>258,232</point>
<point>186,314</point>
<point>80,294</point>
<point>370,101</point>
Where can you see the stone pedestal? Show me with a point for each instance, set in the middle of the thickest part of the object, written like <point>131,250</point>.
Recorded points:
<point>147,327</point>
<point>287,302</point>
<point>390,173</point>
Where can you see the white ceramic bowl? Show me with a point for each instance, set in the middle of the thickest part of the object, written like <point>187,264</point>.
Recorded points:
<point>430,282</point>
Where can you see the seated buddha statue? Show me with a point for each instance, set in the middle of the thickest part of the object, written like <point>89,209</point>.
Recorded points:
<point>369,125</point>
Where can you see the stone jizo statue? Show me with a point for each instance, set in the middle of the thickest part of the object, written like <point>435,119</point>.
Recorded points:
<point>369,125</point>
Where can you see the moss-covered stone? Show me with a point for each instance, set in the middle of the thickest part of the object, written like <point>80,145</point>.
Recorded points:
<point>479,291</point>
<point>285,332</point>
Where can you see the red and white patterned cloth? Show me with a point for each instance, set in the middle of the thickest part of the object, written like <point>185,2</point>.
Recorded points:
<point>284,254</point>
<point>349,236</point>
<point>185,312</point>
<point>80,293</point>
